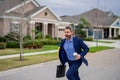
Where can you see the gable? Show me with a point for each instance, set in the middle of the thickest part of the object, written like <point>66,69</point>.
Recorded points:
<point>116,23</point>
<point>45,14</point>
<point>27,8</point>
<point>8,4</point>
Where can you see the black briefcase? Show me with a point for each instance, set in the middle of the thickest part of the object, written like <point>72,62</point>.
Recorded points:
<point>60,72</point>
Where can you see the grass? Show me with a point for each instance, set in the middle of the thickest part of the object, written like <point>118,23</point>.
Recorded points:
<point>10,51</point>
<point>10,63</point>
<point>99,48</point>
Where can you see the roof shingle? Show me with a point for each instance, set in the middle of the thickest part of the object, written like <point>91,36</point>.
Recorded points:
<point>94,17</point>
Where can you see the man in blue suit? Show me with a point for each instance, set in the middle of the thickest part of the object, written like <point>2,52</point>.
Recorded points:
<point>72,50</point>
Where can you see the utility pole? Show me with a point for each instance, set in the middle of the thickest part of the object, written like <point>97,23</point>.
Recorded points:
<point>97,16</point>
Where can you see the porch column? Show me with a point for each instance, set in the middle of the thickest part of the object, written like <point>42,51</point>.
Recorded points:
<point>31,28</point>
<point>102,34</point>
<point>119,31</point>
<point>56,30</point>
<point>110,33</point>
<point>53,31</point>
<point>114,32</point>
<point>45,29</point>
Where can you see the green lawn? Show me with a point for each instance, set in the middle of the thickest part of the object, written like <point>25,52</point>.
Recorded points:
<point>10,51</point>
<point>99,48</point>
<point>10,63</point>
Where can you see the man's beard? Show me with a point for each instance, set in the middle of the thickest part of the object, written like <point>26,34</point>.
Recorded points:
<point>68,36</point>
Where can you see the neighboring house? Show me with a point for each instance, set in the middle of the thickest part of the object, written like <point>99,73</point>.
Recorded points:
<point>28,15</point>
<point>102,24</point>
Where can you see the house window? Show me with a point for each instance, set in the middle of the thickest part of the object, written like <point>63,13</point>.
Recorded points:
<point>14,27</point>
<point>61,29</point>
<point>90,32</point>
<point>46,13</point>
<point>118,23</point>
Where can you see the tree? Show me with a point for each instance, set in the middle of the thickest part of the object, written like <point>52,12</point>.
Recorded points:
<point>79,32</point>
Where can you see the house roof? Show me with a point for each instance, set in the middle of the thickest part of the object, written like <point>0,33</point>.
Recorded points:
<point>7,7</point>
<point>8,4</point>
<point>94,17</point>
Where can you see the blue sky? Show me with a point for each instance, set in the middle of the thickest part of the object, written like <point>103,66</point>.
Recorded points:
<point>74,7</point>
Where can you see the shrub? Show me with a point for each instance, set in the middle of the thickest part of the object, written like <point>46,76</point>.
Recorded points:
<point>39,35</point>
<point>13,44</point>
<point>88,39</point>
<point>51,42</point>
<point>12,36</point>
<point>38,44</point>
<point>48,37</point>
<point>2,39</point>
<point>33,44</point>
<point>26,38</point>
<point>58,39</point>
<point>2,45</point>
<point>118,36</point>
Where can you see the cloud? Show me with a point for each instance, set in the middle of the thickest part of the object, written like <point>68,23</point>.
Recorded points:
<point>71,7</point>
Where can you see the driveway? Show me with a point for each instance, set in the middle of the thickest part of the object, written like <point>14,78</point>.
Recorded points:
<point>103,65</point>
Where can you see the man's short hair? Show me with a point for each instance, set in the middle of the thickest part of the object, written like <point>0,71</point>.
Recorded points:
<point>70,28</point>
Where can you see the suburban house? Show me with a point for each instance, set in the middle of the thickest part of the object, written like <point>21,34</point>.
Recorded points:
<point>102,24</point>
<point>27,16</point>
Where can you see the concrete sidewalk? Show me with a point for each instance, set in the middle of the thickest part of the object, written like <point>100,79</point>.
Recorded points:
<point>103,65</point>
<point>28,54</point>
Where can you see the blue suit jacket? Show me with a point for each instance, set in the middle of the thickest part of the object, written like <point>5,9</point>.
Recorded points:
<point>80,47</point>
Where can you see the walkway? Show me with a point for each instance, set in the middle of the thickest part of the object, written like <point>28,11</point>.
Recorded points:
<point>27,54</point>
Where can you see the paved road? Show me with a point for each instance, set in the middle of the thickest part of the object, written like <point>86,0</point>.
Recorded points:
<point>103,65</point>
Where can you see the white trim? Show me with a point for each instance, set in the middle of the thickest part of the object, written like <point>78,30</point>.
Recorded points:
<point>15,22</point>
<point>12,17</point>
<point>110,13</point>
<point>44,9</point>
<point>65,22</point>
<point>38,12</point>
<point>21,5</point>
<point>35,3</point>
<point>61,27</point>
<point>32,22</point>
<point>114,23</point>
<point>38,19</point>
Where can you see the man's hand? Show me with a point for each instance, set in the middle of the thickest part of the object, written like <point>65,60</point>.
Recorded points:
<point>78,56</point>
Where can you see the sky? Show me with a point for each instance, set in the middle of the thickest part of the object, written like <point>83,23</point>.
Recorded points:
<point>76,7</point>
